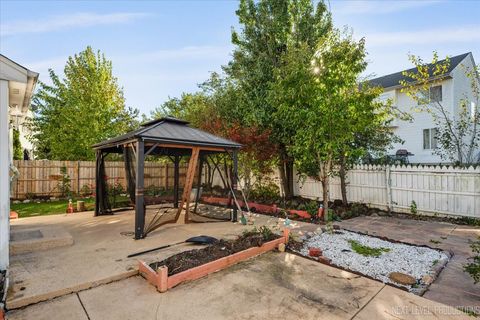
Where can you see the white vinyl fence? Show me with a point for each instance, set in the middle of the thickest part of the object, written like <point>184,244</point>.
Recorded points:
<point>434,189</point>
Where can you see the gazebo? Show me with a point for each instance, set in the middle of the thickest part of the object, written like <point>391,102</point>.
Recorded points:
<point>169,137</point>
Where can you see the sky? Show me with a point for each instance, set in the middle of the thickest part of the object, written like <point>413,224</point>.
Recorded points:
<point>160,49</point>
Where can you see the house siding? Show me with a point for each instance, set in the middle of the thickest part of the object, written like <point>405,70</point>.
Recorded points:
<point>411,132</point>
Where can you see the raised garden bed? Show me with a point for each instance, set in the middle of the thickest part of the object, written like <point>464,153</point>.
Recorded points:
<point>194,264</point>
<point>406,266</point>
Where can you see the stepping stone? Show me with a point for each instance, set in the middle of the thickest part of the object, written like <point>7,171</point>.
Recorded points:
<point>402,278</point>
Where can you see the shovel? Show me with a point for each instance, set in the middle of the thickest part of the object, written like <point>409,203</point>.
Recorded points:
<point>195,240</point>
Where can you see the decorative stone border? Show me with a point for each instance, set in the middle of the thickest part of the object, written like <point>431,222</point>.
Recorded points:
<point>163,282</point>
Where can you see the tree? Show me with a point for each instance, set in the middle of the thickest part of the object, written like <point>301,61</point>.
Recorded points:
<point>327,106</point>
<point>17,146</point>
<point>85,107</point>
<point>458,132</point>
<point>270,29</point>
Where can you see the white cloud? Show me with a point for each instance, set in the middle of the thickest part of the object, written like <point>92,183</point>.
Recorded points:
<point>378,7</point>
<point>62,22</point>
<point>468,34</point>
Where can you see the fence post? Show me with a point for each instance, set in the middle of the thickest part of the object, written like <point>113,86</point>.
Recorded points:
<point>388,183</point>
<point>78,177</point>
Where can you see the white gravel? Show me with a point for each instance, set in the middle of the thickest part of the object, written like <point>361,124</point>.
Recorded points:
<point>412,260</point>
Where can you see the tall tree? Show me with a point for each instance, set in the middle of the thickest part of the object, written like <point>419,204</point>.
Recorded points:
<point>457,132</point>
<point>327,106</point>
<point>83,108</point>
<point>269,30</point>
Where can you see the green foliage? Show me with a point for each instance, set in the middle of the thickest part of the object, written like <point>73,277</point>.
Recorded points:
<point>114,190</point>
<point>17,146</point>
<point>366,250</point>
<point>473,268</point>
<point>312,208</point>
<point>84,108</point>
<point>266,191</point>
<point>413,207</point>
<point>457,132</point>
<point>153,190</point>
<point>64,184</point>
<point>264,231</point>
<point>86,190</point>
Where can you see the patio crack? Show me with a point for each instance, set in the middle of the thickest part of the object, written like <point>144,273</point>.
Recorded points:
<point>366,304</point>
<point>81,303</point>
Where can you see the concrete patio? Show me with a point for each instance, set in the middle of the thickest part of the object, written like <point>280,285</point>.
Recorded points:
<point>94,277</point>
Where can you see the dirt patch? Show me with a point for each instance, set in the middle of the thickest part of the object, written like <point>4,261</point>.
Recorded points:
<point>197,257</point>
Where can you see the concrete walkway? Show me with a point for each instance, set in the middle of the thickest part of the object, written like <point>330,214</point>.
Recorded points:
<point>93,279</point>
<point>453,287</point>
<point>272,286</point>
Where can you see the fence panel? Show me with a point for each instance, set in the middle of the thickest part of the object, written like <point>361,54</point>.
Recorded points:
<point>39,178</point>
<point>434,189</point>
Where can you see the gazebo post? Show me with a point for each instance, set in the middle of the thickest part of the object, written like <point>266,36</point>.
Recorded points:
<point>98,156</point>
<point>199,183</point>
<point>234,182</point>
<point>176,180</point>
<point>139,200</point>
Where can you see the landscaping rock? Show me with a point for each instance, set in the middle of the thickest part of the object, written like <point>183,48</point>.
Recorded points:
<point>314,252</point>
<point>16,201</point>
<point>324,260</point>
<point>281,247</point>
<point>402,278</point>
<point>26,201</point>
<point>427,279</point>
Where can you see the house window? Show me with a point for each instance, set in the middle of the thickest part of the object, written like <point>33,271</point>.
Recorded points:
<point>429,138</point>
<point>436,94</point>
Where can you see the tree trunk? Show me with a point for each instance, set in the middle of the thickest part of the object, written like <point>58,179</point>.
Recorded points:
<point>324,181</point>
<point>343,184</point>
<point>285,168</point>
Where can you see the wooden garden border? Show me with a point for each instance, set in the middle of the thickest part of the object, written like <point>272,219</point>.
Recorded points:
<point>163,282</point>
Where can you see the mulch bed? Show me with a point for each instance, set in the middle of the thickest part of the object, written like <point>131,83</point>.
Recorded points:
<point>194,258</point>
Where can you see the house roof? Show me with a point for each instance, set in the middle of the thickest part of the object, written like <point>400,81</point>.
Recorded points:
<point>169,130</point>
<point>393,80</point>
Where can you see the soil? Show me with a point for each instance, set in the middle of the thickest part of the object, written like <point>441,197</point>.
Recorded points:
<point>194,258</point>
<point>2,284</point>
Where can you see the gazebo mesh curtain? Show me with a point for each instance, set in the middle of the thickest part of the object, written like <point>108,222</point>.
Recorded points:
<point>129,160</point>
<point>104,206</point>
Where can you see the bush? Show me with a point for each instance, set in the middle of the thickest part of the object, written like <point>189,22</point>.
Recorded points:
<point>86,190</point>
<point>265,192</point>
<point>153,191</point>
<point>473,268</point>
<point>64,184</point>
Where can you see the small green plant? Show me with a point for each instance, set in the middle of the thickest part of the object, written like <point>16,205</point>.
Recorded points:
<point>86,190</point>
<point>413,207</point>
<point>265,231</point>
<point>312,208</point>
<point>329,228</point>
<point>434,262</point>
<point>435,241</point>
<point>64,185</point>
<point>366,250</point>
<point>473,268</point>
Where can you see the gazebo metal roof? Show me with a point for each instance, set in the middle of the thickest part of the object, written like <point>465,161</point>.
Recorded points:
<point>168,131</point>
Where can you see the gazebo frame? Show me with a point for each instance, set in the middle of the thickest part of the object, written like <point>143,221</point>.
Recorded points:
<point>165,137</point>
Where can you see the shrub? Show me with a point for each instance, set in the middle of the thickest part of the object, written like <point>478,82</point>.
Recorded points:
<point>473,268</point>
<point>86,190</point>
<point>64,185</point>
<point>265,192</point>
<point>366,250</point>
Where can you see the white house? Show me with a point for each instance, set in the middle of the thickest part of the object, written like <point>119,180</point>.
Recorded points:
<point>419,134</point>
<point>16,88</point>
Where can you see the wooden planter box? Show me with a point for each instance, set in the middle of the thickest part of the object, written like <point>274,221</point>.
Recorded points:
<point>301,213</point>
<point>163,282</point>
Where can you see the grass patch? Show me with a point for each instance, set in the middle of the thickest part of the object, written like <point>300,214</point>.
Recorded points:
<point>366,250</point>
<point>34,209</point>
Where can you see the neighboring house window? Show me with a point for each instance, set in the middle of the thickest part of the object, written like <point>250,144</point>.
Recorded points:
<point>429,138</point>
<point>436,94</point>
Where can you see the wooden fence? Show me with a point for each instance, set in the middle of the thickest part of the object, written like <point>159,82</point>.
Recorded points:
<point>39,178</point>
<point>432,189</point>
